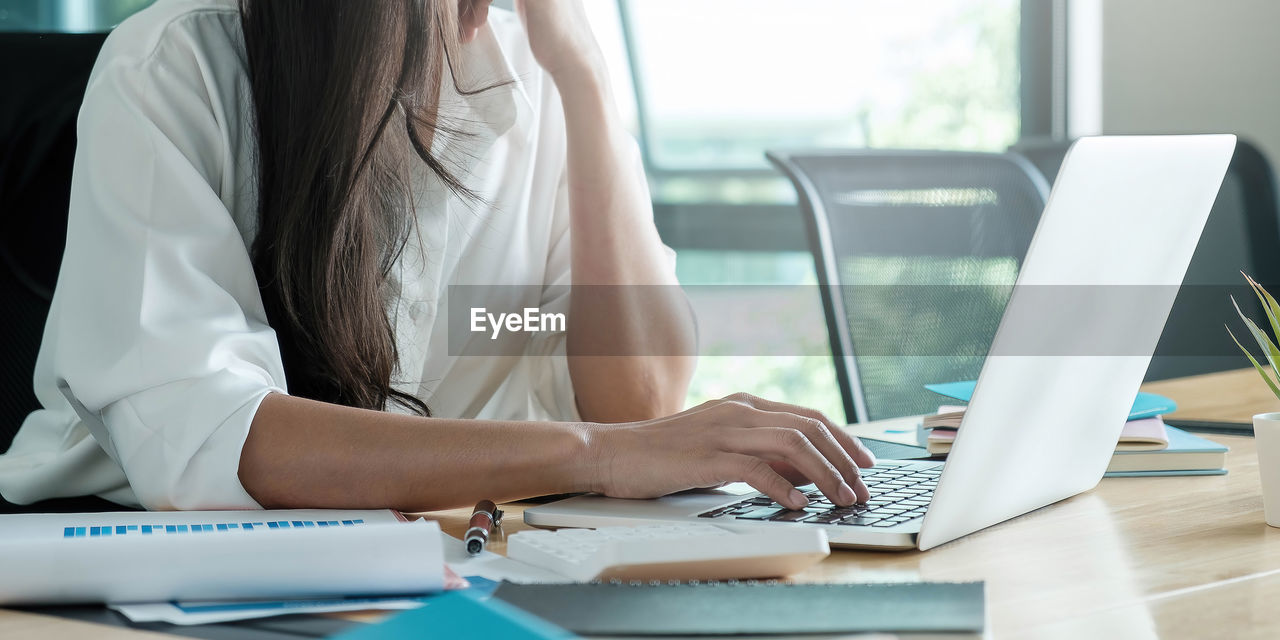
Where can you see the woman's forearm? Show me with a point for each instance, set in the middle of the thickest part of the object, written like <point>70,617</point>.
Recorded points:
<point>306,454</point>
<point>631,337</point>
<point>302,453</point>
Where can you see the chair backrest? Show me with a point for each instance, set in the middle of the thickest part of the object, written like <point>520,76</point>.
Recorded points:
<point>44,78</point>
<point>1046,154</point>
<point>916,253</point>
<point>1242,234</point>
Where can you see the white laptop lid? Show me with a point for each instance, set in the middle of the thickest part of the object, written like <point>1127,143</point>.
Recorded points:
<point>1091,300</point>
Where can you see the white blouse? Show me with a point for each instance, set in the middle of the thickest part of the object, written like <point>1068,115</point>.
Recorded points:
<point>157,351</point>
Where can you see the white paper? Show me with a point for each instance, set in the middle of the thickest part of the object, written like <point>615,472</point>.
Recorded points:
<point>206,612</point>
<point>485,565</point>
<point>58,558</point>
<point>493,566</point>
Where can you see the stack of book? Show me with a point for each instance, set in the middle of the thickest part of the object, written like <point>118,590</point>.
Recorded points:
<point>1147,446</point>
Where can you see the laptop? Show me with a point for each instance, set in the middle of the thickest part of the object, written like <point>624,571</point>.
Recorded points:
<point>1073,345</point>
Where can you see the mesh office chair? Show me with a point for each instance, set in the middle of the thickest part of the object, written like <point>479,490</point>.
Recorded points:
<point>44,79</point>
<point>1046,154</point>
<point>1242,234</point>
<point>916,254</point>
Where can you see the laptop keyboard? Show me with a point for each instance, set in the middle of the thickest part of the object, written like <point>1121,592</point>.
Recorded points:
<point>900,492</point>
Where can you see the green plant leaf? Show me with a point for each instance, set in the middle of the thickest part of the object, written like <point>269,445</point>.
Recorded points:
<point>1269,305</point>
<point>1262,372</point>
<point>1268,347</point>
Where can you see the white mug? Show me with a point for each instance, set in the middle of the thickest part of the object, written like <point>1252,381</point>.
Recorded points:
<point>1266,435</point>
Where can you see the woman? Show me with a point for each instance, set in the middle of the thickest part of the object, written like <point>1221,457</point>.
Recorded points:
<point>270,204</point>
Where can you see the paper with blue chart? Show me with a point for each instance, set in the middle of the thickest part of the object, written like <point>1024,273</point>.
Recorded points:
<point>483,571</point>
<point>212,555</point>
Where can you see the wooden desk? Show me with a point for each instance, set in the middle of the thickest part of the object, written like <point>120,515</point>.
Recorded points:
<point>1134,558</point>
<point>1230,396</point>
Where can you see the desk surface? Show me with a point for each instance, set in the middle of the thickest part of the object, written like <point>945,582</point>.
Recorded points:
<point>1230,396</point>
<point>1136,557</point>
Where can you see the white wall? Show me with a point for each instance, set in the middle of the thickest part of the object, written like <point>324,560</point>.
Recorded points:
<point>1192,66</point>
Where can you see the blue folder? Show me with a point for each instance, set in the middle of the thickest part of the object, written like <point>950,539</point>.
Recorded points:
<point>1147,405</point>
<point>460,614</point>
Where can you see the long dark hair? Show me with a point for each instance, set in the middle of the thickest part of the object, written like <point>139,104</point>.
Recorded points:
<point>345,94</point>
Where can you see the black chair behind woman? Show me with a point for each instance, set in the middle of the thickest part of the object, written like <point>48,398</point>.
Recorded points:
<point>44,78</point>
<point>916,254</point>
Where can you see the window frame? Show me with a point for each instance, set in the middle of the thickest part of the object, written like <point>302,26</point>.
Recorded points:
<point>777,228</point>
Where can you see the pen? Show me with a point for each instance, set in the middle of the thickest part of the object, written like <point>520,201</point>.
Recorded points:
<point>485,518</point>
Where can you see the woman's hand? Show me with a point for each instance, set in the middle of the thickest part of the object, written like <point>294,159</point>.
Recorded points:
<point>770,445</point>
<point>561,38</point>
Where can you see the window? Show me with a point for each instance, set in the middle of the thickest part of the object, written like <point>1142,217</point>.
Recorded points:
<point>761,328</point>
<point>723,80</point>
<point>66,16</point>
<point>718,82</point>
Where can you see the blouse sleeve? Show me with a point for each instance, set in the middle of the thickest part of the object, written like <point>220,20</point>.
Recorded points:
<point>159,327</point>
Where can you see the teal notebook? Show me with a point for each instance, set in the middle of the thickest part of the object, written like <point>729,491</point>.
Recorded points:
<point>1146,405</point>
<point>460,614</point>
<point>1186,455</point>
